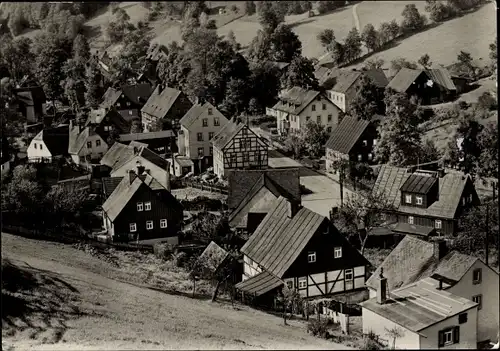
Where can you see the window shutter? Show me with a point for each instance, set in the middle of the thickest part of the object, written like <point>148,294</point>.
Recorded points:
<point>441,338</point>
<point>456,335</point>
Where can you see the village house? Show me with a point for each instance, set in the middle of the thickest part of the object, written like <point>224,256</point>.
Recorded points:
<point>423,318</point>
<point>430,86</point>
<point>425,202</point>
<point>121,158</point>
<point>297,106</point>
<point>128,100</point>
<point>181,166</point>
<point>347,84</point>
<point>441,269</point>
<point>140,208</point>
<point>198,127</point>
<point>162,142</point>
<point>86,146</point>
<point>326,76</point>
<point>302,249</point>
<point>164,104</point>
<point>237,147</point>
<point>353,140</point>
<point>106,122</point>
<point>49,144</point>
<point>252,193</point>
<point>31,103</point>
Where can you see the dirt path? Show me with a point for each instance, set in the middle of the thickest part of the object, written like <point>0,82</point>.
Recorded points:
<point>356,18</point>
<point>90,311</point>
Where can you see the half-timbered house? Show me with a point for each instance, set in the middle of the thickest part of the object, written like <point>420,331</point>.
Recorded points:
<point>302,249</point>
<point>237,147</point>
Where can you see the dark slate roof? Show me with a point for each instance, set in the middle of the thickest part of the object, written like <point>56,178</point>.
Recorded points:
<point>154,158</point>
<point>109,184</point>
<point>147,136</point>
<point>31,95</point>
<point>242,182</point>
<point>377,77</point>
<point>411,260</point>
<point>278,240</point>
<point>158,105</point>
<point>454,266</point>
<point>418,183</point>
<point>347,133</point>
<point>259,284</point>
<point>451,186</point>
<point>298,97</point>
<point>55,139</point>
<point>414,229</point>
<point>226,134</point>
<point>110,97</point>
<point>403,79</point>
<point>416,307</point>
<point>97,116</point>
<point>193,113</point>
<point>442,77</point>
<point>77,140</point>
<point>346,80</point>
<point>137,93</point>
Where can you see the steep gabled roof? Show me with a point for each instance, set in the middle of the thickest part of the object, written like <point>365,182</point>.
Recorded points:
<point>442,77</point>
<point>77,140</point>
<point>109,184</point>
<point>259,284</point>
<point>98,115</point>
<point>159,104</point>
<point>116,152</point>
<point>345,80</point>
<point>298,97</point>
<point>451,186</point>
<point>347,133</point>
<point>193,113</point>
<point>418,183</point>
<point>403,79</point>
<point>279,240</point>
<point>226,134</point>
<point>55,139</point>
<point>242,183</point>
<point>377,77</point>
<point>110,97</point>
<point>454,266</point>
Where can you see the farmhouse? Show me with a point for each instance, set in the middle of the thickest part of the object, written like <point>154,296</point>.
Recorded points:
<point>198,127</point>
<point>426,202</point>
<point>414,260</point>
<point>297,106</point>
<point>251,194</point>
<point>353,140</point>
<point>162,142</point>
<point>302,249</point>
<point>428,86</point>
<point>424,318</point>
<point>85,145</point>
<point>106,121</point>
<point>164,103</point>
<point>128,100</point>
<point>140,208</point>
<point>32,103</point>
<point>237,147</point>
<point>49,144</point>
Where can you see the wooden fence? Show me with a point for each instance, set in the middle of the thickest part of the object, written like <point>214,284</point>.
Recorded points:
<point>201,186</point>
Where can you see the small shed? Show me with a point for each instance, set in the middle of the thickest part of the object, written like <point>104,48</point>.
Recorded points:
<point>182,165</point>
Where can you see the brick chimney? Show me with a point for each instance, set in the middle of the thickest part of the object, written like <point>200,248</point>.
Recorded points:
<point>382,288</point>
<point>440,249</point>
<point>293,208</point>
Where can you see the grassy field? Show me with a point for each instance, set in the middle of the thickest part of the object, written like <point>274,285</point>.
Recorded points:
<point>61,298</point>
<point>191,193</point>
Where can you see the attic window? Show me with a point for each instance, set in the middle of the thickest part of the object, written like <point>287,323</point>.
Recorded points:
<point>337,253</point>
<point>462,318</point>
<point>438,224</point>
<point>408,199</point>
<point>420,200</point>
<point>311,257</point>
<point>210,111</point>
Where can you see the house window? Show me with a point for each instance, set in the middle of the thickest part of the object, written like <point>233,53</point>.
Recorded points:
<point>324,107</point>
<point>329,118</point>
<point>133,227</point>
<point>163,223</point>
<point>374,142</point>
<point>41,146</point>
<point>308,118</point>
<point>337,252</point>
<point>348,274</point>
<point>118,104</point>
<point>408,199</point>
<point>97,143</point>
<point>89,144</point>
<point>210,111</point>
<point>128,103</point>
<point>205,122</point>
<point>147,206</point>
<point>370,157</point>
<point>365,142</point>
<point>302,283</point>
<point>311,257</point>
<point>360,157</point>
<point>200,152</point>
<point>140,207</point>
<point>318,119</point>
<point>329,129</point>
<point>199,136</point>
<point>479,300</point>
<point>107,128</point>
<point>470,198</point>
<point>210,135</point>
<point>438,224</point>
<point>130,113</point>
<point>410,219</point>
<point>149,225</point>
<point>34,145</point>
<point>476,276</point>
<point>289,284</point>
<point>216,121</point>
<point>211,151</point>
<point>313,107</point>
<point>420,200</point>
<point>462,318</point>
<point>448,337</point>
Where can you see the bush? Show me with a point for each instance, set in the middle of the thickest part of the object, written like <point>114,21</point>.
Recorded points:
<point>318,328</point>
<point>487,102</point>
<point>370,344</point>
<point>463,105</point>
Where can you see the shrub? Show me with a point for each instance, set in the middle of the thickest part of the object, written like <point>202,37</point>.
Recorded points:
<point>487,102</point>
<point>318,328</point>
<point>370,344</point>
<point>463,105</point>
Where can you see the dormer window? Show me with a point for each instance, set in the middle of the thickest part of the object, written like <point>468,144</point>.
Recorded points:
<point>420,200</point>
<point>408,199</point>
<point>311,257</point>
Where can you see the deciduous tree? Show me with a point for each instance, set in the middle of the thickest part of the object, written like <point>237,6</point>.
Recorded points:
<point>315,137</point>
<point>16,55</point>
<point>369,37</point>
<point>352,45</point>
<point>92,83</point>
<point>300,73</point>
<point>326,38</point>
<point>284,44</point>
<point>412,19</point>
<point>488,160</point>
<point>250,8</point>
<point>424,61</point>
<point>364,105</point>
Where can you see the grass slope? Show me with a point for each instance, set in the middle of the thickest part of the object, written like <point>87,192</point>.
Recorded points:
<point>64,300</point>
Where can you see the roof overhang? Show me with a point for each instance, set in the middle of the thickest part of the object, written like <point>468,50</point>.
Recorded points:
<point>414,229</point>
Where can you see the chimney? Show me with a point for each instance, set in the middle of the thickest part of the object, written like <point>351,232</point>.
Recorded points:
<point>382,288</point>
<point>132,176</point>
<point>293,208</point>
<point>140,168</point>
<point>440,249</point>
<point>160,88</point>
